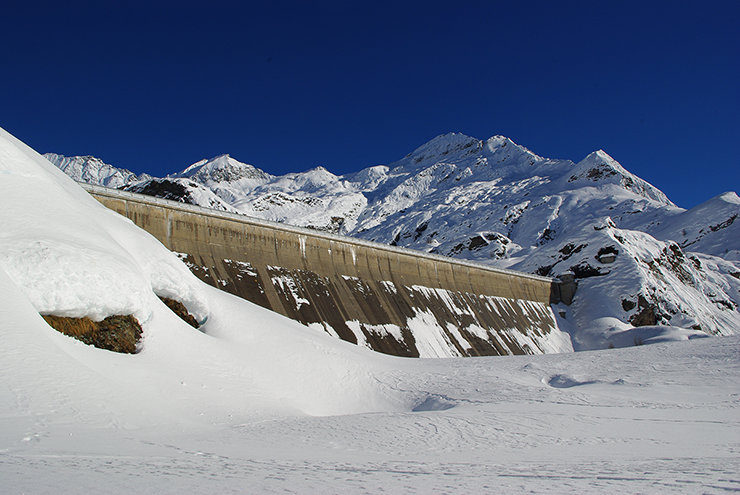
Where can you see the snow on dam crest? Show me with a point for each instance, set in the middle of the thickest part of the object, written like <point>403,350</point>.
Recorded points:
<point>392,300</point>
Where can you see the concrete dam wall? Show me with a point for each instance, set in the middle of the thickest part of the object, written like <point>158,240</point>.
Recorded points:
<point>390,299</point>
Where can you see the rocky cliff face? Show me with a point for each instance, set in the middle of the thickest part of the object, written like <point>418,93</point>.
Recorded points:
<point>636,258</point>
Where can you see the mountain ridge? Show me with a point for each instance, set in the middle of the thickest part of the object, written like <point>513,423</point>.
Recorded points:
<point>496,202</point>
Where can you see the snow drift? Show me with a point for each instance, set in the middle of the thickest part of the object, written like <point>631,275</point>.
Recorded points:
<point>65,254</point>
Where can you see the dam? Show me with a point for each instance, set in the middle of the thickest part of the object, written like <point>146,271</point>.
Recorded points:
<point>389,299</point>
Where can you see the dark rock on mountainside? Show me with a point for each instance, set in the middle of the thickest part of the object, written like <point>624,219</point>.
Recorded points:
<point>163,188</point>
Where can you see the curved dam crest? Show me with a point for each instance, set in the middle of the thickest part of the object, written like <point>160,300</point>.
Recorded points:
<point>389,299</point>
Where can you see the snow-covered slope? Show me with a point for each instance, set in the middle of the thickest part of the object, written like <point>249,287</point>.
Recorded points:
<point>711,228</point>
<point>498,203</point>
<point>81,259</point>
<point>183,191</point>
<point>244,403</point>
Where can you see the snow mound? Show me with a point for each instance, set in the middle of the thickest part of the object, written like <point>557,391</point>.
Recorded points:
<point>81,259</point>
<point>78,258</point>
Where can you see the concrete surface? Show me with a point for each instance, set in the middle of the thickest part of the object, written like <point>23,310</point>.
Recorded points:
<point>390,299</point>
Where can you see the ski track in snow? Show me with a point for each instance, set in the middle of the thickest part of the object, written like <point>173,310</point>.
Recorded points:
<point>197,472</point>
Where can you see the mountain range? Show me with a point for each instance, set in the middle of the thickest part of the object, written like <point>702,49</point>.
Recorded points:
<point>639,261</point>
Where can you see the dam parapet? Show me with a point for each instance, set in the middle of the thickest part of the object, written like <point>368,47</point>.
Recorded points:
<point>389,299</point>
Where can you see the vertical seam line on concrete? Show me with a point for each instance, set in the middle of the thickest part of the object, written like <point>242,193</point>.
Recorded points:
<point>511,288</point>
<point>168,235</point>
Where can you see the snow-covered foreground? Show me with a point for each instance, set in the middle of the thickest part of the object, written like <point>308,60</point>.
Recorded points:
<point>257,403</point>
<point>651,419</point>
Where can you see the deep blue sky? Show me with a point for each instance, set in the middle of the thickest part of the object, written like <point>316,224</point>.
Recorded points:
<point>288,86</point>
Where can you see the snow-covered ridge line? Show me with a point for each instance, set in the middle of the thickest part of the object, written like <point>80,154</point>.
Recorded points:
<point>116,193</point>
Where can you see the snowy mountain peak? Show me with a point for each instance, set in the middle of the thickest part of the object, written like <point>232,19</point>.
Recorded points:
<point>497,142</point>
<point>729,197</point>
<point>446,142</point>
<point>222,168</point>
<point>445,145</point>
<point>319,172</point>
<point>601,157</point>
<point>92,170</point>
<point>503,150</point>
<point>599,167</point>
<point>712,227</point>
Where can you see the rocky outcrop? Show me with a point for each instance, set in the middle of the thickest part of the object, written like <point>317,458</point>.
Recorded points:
<point>180,310</point>
<point>118,333</point>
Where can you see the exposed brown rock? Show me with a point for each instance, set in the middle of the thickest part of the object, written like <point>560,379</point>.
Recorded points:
<point>180,310</point>
<point>647,314</point>
<point>119,333</point>
<point>645,317</point>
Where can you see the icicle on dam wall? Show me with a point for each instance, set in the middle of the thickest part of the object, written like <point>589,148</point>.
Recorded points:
<point>392,300</point>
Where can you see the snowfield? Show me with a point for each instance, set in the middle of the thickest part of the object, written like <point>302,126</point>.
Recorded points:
<point>253,402</point>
